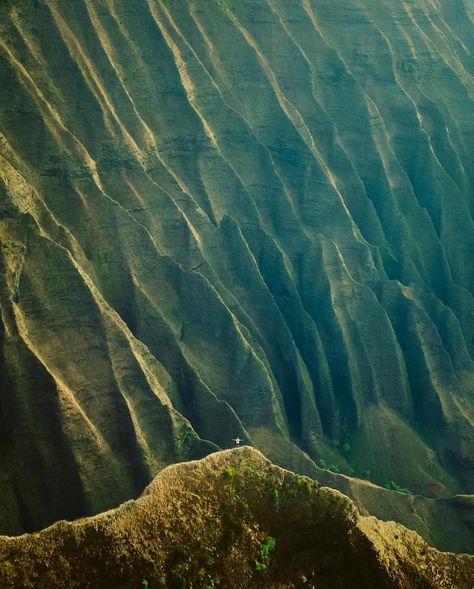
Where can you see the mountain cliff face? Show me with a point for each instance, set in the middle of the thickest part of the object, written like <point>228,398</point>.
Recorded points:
<point>233,521</point>
<point>237,217</point>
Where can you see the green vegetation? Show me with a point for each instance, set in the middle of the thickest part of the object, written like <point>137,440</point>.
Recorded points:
<point>332,467</point>
<point>346,447</point>
<point>343,444</point>
<point>189,563</point>
<point>393,486</point>
<point>229,472</point>
<point>305,483</point>
<point>267,546</point>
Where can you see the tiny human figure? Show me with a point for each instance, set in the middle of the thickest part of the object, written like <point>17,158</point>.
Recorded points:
<point>237,440</point>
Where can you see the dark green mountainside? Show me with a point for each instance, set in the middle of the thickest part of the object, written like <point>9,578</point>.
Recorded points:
<point>225,218</point>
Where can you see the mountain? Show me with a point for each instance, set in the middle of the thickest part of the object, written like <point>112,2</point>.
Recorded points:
<point>231,520</point>
<point>237,218</point>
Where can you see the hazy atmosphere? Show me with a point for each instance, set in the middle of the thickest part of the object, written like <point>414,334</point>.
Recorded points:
<point>237,235</point>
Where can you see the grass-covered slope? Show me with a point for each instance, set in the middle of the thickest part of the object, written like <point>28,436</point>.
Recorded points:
<point>234,218</point>
<point>231,520</point>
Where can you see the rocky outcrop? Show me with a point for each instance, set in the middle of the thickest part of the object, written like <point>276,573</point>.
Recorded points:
<point>230,218</point>
<point>231,520</point>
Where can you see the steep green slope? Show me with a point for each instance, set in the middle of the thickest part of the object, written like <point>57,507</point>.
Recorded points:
<point>231,520</point>
<point>244,217</point>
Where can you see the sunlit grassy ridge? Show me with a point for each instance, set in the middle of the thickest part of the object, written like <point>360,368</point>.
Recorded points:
<point>231,521</point>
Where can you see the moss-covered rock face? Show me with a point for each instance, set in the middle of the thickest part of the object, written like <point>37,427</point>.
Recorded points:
<point>247,218</point>
<point>233,521</point>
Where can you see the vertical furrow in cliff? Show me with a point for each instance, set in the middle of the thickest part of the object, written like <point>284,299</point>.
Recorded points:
<point>231,150</point>
<point>293,114</point>
<point>227,92</point>
<point>141,380</point>
<point>326,133</point>
<point>292,391</point>
<point>336,86</point>
<point>230,379</point>
<point>461,78</point>
<point>200,103</point>
<point>451,36</point>
<point>113,58</point>
<point>272,81</point>
<point>187,84</point>
<point>29,424</point>
<point>48,116</point>
<point>87,65</point>
<point>423,23</point>
<point>280,278</point>
<point>444,215</point>
<point>285,360</point>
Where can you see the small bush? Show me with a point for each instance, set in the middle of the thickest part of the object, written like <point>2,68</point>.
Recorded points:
<point>393,486</point>
<point>304,483</point>
<point>229,472</point>
<point>267,546</point>
<point>346,447</point>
